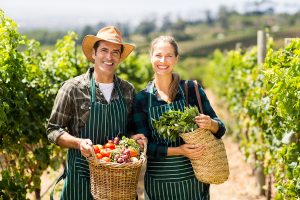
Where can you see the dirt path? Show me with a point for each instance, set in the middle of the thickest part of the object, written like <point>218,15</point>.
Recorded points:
<point>241,184</point>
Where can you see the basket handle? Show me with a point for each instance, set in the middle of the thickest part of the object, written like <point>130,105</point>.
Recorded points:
<point>197,94</point>
<point>93,157</point>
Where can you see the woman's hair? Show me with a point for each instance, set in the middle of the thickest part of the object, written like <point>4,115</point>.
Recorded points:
<point>173,89</point>
<point>168,39</point>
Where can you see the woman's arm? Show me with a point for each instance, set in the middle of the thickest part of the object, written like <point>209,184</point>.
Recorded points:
<point>192,151</point>
<point>209,119</point>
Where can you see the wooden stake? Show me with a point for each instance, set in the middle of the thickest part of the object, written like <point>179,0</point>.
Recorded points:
<point>261,46</point>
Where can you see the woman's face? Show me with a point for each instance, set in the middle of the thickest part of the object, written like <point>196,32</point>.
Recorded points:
<point>163,58</point>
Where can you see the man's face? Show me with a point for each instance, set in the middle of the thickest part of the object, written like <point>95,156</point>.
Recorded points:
<point>107,57</point>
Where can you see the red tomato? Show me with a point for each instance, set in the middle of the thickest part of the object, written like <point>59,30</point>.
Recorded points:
<point>100,146</point>
<point>133,153</point>
<point>99,155</point>
<point>96,149</point>
<point>105,152</point>
<point>110,145</point>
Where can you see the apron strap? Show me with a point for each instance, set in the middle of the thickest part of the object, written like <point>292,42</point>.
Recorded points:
<point>150,93</point>
<point>93,89</point>
<point>63,176</point>
<point>152,88</point>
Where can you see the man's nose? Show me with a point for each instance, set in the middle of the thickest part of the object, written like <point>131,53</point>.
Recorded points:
<point>109,55</point>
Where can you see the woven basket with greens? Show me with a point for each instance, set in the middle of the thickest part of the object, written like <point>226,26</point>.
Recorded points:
<point>174,122</point>
<point>213,166</point>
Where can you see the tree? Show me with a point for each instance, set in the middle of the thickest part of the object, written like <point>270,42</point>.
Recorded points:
<point>146,27</point>
<point>223,17</point>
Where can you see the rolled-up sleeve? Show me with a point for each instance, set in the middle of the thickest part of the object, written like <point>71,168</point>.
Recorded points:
<point>61,113</point>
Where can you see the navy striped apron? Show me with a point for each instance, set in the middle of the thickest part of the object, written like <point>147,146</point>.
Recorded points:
<point>105,121</point>
<point>171,178</point>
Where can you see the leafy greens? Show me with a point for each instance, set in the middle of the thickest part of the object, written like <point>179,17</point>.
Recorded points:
<point>174,122</point>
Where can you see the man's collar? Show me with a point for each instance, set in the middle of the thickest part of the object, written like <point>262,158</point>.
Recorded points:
<point>88,76</point>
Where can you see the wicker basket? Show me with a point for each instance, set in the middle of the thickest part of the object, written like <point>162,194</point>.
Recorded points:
<point>212,167</point>
<point>114,181</point>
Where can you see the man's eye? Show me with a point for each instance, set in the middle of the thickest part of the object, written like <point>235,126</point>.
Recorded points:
<point>103,50</point>
<point>116,53</point>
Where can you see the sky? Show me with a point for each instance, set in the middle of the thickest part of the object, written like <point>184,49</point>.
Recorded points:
<point>62,14</point>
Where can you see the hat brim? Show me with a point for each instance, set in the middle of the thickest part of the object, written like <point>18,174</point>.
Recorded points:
<point>89,41</point>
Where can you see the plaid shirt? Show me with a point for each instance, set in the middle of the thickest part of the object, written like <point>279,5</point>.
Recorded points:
<point>71,110</point>
<point>141,109</point>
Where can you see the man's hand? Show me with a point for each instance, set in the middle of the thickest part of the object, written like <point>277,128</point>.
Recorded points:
<point>86,147</point>
<point>140,139</point>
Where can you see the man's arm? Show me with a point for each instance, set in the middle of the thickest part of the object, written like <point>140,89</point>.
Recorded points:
<point>68,141</point>
<point>61,115</point>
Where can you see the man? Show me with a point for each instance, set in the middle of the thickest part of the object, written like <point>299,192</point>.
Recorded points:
<point>91,108</point>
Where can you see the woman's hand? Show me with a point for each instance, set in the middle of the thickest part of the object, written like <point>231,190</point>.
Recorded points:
<point>204,121</point>
<point>85,147</point>
<point>140,139</point>
<point>192,151</point>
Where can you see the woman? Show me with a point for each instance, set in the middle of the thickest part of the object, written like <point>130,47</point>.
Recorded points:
<point>169,173</point>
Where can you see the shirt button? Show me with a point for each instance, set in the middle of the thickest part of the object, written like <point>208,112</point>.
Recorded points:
<point>101,93</point>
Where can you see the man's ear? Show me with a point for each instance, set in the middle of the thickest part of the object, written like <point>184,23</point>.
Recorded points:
<point>93,54</point>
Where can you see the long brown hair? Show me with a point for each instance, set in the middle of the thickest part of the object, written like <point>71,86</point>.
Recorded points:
<point>173,89</point>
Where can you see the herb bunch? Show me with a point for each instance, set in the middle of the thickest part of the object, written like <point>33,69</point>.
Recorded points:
<point>174,122</point>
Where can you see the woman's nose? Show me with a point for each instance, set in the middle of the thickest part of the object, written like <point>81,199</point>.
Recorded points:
<point>162,59</point>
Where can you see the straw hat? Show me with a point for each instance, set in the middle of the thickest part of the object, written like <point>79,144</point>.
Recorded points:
<point>110,34</point>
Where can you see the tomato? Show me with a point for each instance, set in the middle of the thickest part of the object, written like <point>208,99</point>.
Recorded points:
<point>96,149</point>
<point>133,153</point>
<point>100,146</point>
<point>99,155</point>
<point>110,145</point>
<point>105,152</point>
<point>106,159</point>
